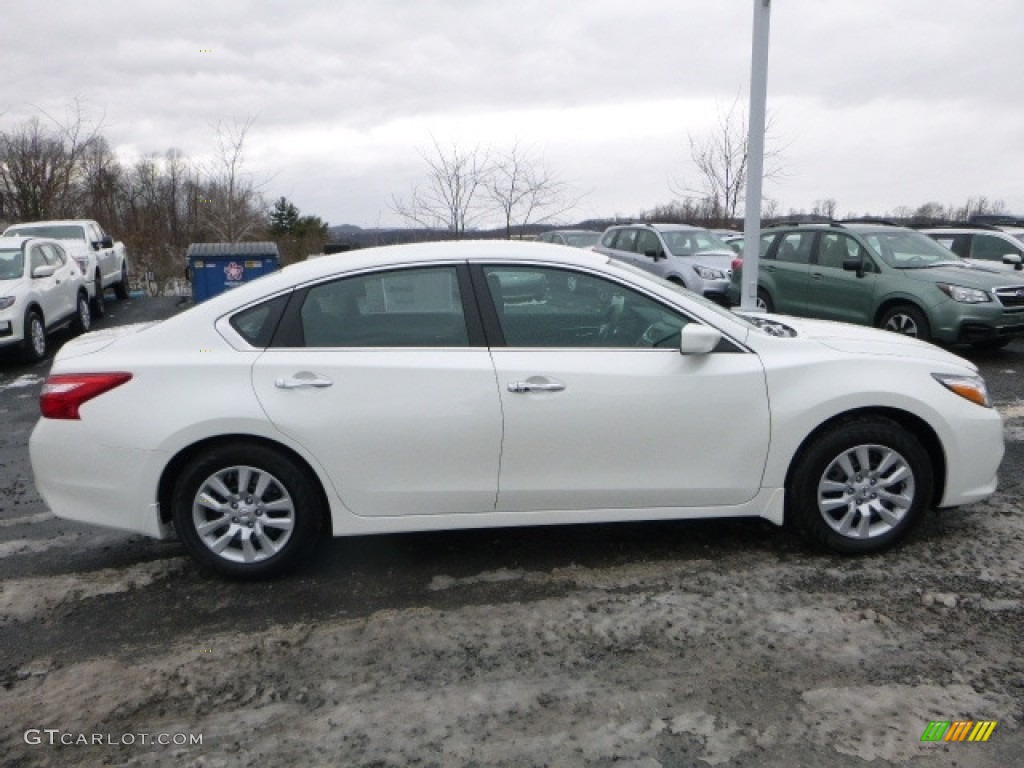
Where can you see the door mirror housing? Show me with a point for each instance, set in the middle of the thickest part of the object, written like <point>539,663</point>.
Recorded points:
<point>854,264</point>
<point>697,339</point>
<point>44,271</point>
<point>654,255</point>
<point>1012,258</point>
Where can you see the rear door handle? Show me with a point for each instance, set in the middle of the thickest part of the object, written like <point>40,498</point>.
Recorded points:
<point>536,384</point>
<point>301,380</point>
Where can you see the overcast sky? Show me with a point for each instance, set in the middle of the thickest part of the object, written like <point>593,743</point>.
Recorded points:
<point>876,103</point>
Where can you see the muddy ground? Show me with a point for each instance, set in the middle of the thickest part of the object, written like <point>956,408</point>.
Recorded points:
<point>669,644</point>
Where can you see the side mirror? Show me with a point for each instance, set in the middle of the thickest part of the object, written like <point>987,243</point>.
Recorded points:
<point>44,271</point>
<point>854,264</point>
<point>697,339</point>
<point>107,242</point>
<point>654,255</point>
<point>1012,258</point>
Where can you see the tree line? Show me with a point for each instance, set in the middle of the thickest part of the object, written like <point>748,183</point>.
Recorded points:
<point>63,167</point>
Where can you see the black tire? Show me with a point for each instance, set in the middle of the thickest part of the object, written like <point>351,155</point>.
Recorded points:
<point>34,344</point>
<point>121,286</point>
<point>98,310</point>
<point>871,500</point>
<point>764,301</point>
<point>906,319</point>
<point>83,314</point>
<point>273,549</point>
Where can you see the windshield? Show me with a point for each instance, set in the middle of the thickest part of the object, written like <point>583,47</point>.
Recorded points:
<point>582,239</point>
<point>12,264</point>
<point>687,242</point>
<point>909,250</point>
<point>61,232</point>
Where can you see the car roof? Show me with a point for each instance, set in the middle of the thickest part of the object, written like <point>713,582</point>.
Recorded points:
<point>19,241</point>
<point>571,232</point>
<point>51,222</point>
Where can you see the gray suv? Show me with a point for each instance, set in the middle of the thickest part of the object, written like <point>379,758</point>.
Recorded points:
<point>690,256</point>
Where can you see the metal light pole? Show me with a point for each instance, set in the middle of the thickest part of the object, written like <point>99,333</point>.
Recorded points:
<point>755,153</point>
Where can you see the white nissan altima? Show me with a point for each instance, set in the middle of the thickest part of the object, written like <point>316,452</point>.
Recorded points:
<point>464,385</point>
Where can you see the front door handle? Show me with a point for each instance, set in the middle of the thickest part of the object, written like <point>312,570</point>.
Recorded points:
<point>536,384</point>
<point>303,379</point>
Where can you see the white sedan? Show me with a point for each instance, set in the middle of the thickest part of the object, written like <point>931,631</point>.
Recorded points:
<point>401,389</point>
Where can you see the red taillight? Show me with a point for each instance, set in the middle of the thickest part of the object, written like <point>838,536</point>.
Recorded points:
<point>736,264</point>
<point>63,394</point>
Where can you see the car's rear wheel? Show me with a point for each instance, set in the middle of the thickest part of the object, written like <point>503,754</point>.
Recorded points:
<point>764,301</point>
<point>247,510</point>
<point>858,488</point>
<point>121,286</point>
<point>98,310</point>
<point>905,319</point>
<point>83,315</point>
<point>34,345</point>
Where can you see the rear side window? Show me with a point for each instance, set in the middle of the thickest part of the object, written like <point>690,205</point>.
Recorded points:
<point>257,324</point>
<point>419,307</point>
<point>795,247</point>
<point>625,240</point>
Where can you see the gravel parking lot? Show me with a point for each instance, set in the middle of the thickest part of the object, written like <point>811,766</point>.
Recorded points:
<point>669,644</point>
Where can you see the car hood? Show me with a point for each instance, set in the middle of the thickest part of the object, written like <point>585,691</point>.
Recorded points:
<point>966,275</point>
<point>97,340</point>
<point>718,259</point>
<point>861,340</point>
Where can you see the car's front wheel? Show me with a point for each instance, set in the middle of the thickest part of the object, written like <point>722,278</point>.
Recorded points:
<point>247,510</point>
<point>83,315</point>
<point>121,286</point>
<point>34,345</point>
<point>98,310</point>
<point>764,301</point>
<point>905,319</point>
<point>858,488</point>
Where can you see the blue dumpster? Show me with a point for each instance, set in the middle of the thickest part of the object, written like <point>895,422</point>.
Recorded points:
<point>217,267</point>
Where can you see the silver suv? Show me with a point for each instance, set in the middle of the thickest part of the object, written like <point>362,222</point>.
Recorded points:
<point>690,256</point>
<point>982,245</point>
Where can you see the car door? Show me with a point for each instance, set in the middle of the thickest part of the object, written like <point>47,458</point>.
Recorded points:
<point>47,289</point>
<point>785,272</point>
<point>621,244</point>
<point>65,285</point>
<point>650,255</point>
<point>837,294</point>
<point>991,250</point>
<point>384,378</point>
<point>602,411</point>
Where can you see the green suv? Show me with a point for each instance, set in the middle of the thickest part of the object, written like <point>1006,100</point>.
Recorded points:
<point>885,276</point>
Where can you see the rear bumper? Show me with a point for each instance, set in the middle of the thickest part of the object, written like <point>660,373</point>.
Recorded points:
<point>99,485</point>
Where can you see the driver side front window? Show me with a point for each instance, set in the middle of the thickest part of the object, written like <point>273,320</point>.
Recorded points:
<point>546,307</point>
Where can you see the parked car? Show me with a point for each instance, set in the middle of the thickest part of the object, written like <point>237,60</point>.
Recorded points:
<point>984,246</point>
<point>890,277</point>
<point>576,238</point>
<point>688,256</point>
<point>394,389</point>
<point>41,290</point>
<point>102,261</point>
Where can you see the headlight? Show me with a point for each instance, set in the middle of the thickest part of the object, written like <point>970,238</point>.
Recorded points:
<point>7,301</point>
<point>707,273</point>
<point>968,387</point>
<point>964,295</point>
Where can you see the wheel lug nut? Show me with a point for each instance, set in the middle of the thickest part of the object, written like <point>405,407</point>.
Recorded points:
<point>251,524</point>
<point>234,505</point>
<point>259,512</point>
<point>234,519</point>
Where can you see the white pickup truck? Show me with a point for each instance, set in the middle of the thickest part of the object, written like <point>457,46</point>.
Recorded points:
<point>102,261</point>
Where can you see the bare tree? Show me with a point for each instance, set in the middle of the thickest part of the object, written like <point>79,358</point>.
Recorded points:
<point>526,190</point>
<point>232,207</point>
<point>448,199</point>
<point>40,163</point>
<point>721,161</point>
